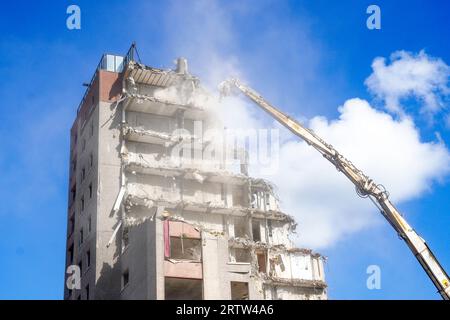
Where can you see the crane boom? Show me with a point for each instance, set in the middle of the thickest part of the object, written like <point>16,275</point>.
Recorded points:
<point>365,186</point>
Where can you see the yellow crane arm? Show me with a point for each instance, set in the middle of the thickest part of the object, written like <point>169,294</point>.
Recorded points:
<point>365,187</point>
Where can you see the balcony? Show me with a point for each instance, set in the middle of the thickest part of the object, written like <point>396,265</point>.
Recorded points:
<point>150,104</point>
<point>138,205</point>
<point>135,163</point>
<point>151,76</point>
<point>153,137</point>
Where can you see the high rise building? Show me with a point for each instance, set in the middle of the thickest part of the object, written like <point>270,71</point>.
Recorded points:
<point>146,224</point>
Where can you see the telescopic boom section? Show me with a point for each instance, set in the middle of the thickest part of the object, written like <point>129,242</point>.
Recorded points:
<point>365,187</point>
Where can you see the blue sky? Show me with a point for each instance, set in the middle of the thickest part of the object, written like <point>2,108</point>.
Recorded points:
<point>314,52</point>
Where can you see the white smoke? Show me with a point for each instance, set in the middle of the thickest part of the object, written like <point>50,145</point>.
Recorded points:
<point>410,75</point>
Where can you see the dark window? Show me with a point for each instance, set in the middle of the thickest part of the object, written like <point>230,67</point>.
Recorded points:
<point>240,227</point>
<point>81,237</point>
<point>239,290</point>
<point>88,258</point>
<point>256,230</point>
<point>183,289</point>
<point>73,194</point>
<point>90,190</point>
<point>91,160</point>
<point>71,225</point>
<point>125,278</point>
<point>82,203</point>
<point>87,292</point>
<point>242,255</point>
<point>269,226</point>
<point>185,249</point>
<point>71,254</point>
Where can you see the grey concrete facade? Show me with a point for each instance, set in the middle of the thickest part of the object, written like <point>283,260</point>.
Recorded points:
<point>144,224</point>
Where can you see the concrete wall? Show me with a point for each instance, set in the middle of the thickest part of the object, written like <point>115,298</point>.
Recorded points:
<point>155,187</point>
<point>84,181</point>
<point>163,124</point>
<point>139,260</point>
<point>107,268</point>
<point>91,156</point>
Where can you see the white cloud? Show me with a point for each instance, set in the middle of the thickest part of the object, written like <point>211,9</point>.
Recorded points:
<point>410,75</point>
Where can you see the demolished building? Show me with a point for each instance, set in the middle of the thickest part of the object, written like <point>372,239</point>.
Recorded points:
<point>143,224</point>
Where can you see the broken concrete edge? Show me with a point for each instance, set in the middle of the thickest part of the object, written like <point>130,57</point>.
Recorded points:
<point>175,261</point>
<point>198,227</point>
<point>136,65</point>
<point>160,78</point>
<point>268,185</point>
<point>133,165</point>
<point>132,65</point>
<point>243,242</point>
<point>165,215</point>
<point>176,170</point>
<point>113,236</point>
<point>168,170</point>
<point>134,200</point>
<point>119,199</point>
<point>319,284</point>
<point>144,97</point>
<point>240,242</point>
<point>128,132</point>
